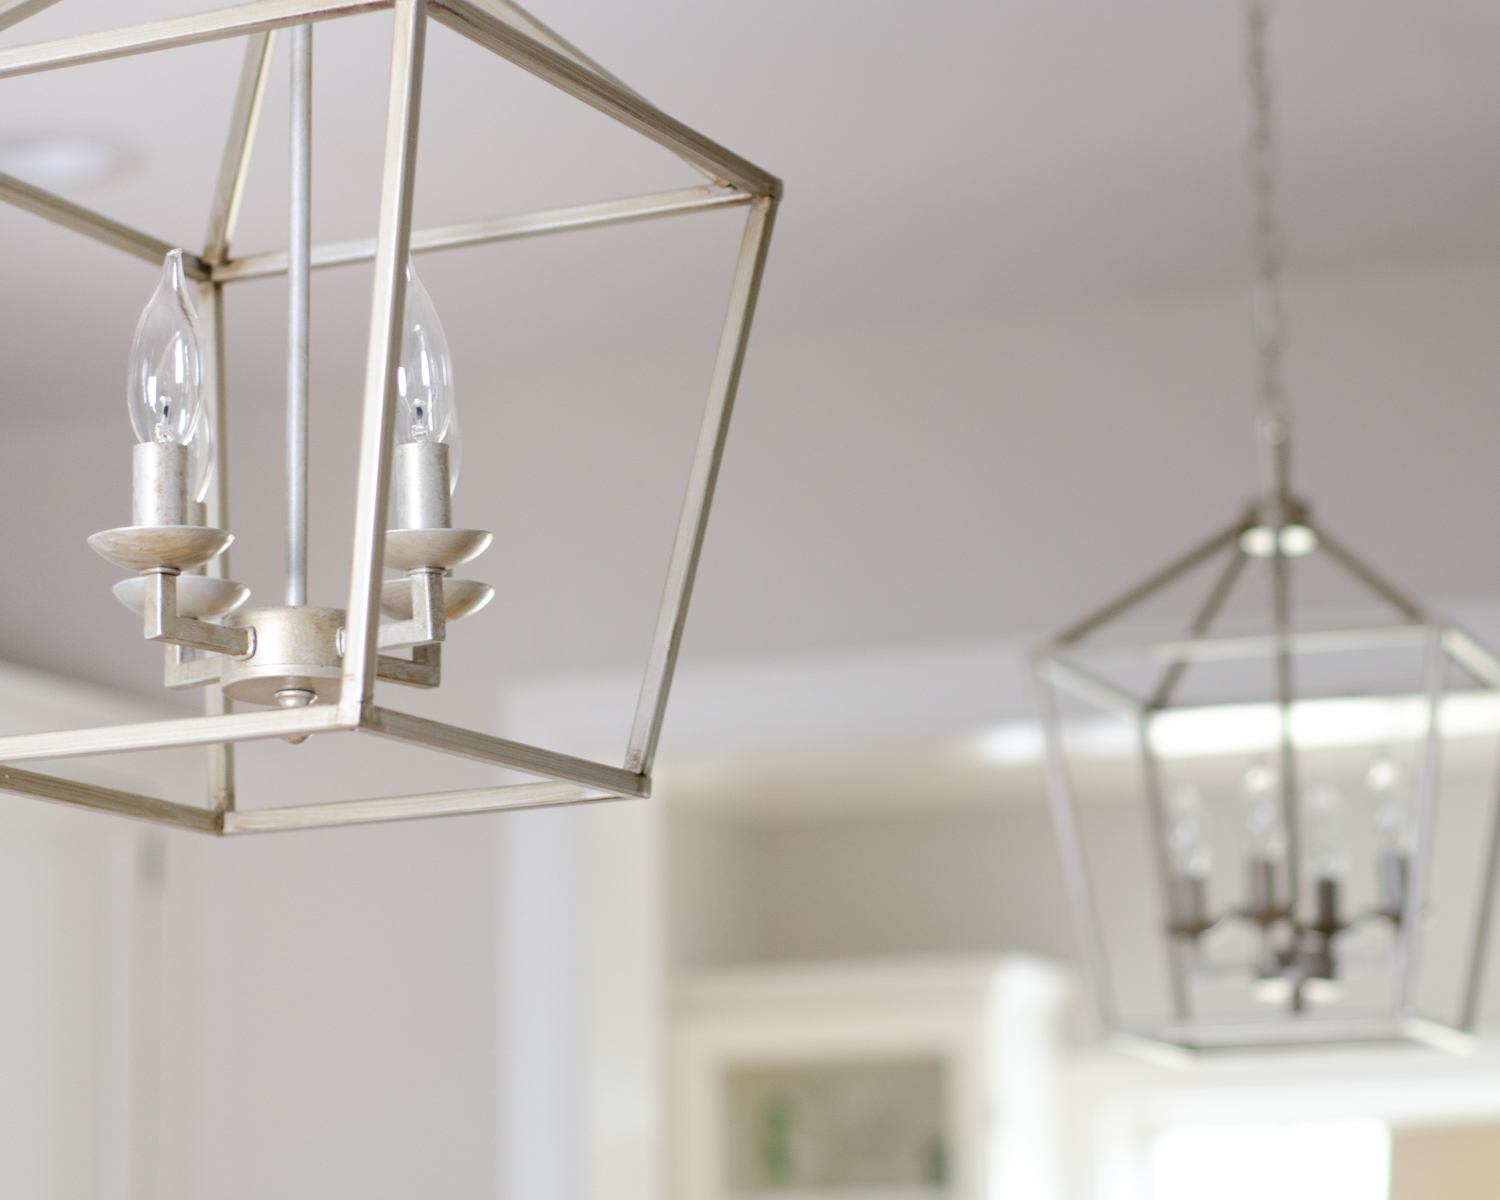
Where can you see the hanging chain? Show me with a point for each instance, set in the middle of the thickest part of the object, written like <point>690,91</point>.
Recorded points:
<point>1273,420</point>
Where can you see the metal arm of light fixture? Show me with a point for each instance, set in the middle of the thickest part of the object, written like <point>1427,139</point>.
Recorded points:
<point>424,631</point>
<point>428,623</point>
<point>162,624</point>
<point>424,669</point>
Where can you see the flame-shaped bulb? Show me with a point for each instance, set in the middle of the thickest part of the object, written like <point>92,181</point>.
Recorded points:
<point>424,378</point>
<point>1327,833</point>
<point>202,457</point>
<point>1188,844</point>
<point>1390,796</point>
<point>1260,790</point>
<point>165,387</point>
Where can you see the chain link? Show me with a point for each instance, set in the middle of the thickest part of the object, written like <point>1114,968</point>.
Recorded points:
<point>1273,421</point>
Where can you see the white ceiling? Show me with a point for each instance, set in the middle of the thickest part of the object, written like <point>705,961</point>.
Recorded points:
<point>970,155</point>
<point>950,169</point>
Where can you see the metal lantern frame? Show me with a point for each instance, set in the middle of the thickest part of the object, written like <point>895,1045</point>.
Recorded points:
<point>1280,536</point>
<point>514,36</point>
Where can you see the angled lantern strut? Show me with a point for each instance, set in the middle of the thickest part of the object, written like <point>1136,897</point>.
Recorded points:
<point>510,32</point>
<point>16,13</point>
<point>234,169</point>
<point>377,428</point>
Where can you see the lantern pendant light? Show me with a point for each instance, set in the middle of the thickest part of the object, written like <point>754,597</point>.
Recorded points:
<point>1278,834</point>
<point>298,670</point>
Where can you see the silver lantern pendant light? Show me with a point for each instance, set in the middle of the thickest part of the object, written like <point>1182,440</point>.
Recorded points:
<point>1274,834</point>
<point>297,670</point>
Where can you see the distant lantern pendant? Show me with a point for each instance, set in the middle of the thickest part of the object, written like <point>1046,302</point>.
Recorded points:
<point>1288,835</point>
<point>295,669</point>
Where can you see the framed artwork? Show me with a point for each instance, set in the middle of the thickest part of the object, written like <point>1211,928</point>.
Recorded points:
<point>877,1124</point>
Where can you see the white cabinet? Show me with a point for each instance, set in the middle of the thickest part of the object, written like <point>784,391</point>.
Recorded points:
<point>896,1079</point>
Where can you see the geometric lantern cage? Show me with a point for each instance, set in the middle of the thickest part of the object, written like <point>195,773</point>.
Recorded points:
<point>330,663</point>
<point>1283,837</point>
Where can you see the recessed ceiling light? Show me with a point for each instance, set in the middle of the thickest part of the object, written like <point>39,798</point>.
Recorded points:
<point>59,160</point>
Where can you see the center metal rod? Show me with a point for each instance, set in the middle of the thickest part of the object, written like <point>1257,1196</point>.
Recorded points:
<point>299,272</point>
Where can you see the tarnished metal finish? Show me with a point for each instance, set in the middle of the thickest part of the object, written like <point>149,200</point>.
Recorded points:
<point>1288,777</point>
<point>159,494</point>
<point>1202,623</point>
<point>1479,948</point>
<point>461,598</point>
<point>608,97</point>
<point>1070,852</point>
<point>1474,657</point>
<point>17,13</point>
<point>466,743</point>
<point>248,100</point>
<point>1088,685</point>
<point>409,808</point>
<point>110,800</point>
<point>308,816</point>
<point>1156,812</point>
<point>422,491</point>
<point>387,310</point>
<point>299,247</point>
<point>262,16</point>
<point>499,229</point>
<point>1273,415</point>
<point>164,624</point>
<point>565,69</point>
<point>424,669</point>
<point>514,14</point>
<point>682,568</point>
<point>1413,923</point>
<point>1154,583</point>
<point>1218,1035</point>
<point>91,224</point>
<point>164,735</point>
<point>202,597</point>
<point>296,649</point>
<point>1356,566</point>
<point>174,547</point>
<point>414,549</point>
<point>1316,641</point>
<point>428,622</point>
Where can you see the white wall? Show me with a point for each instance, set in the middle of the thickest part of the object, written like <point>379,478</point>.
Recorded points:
<point>83,984</point>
